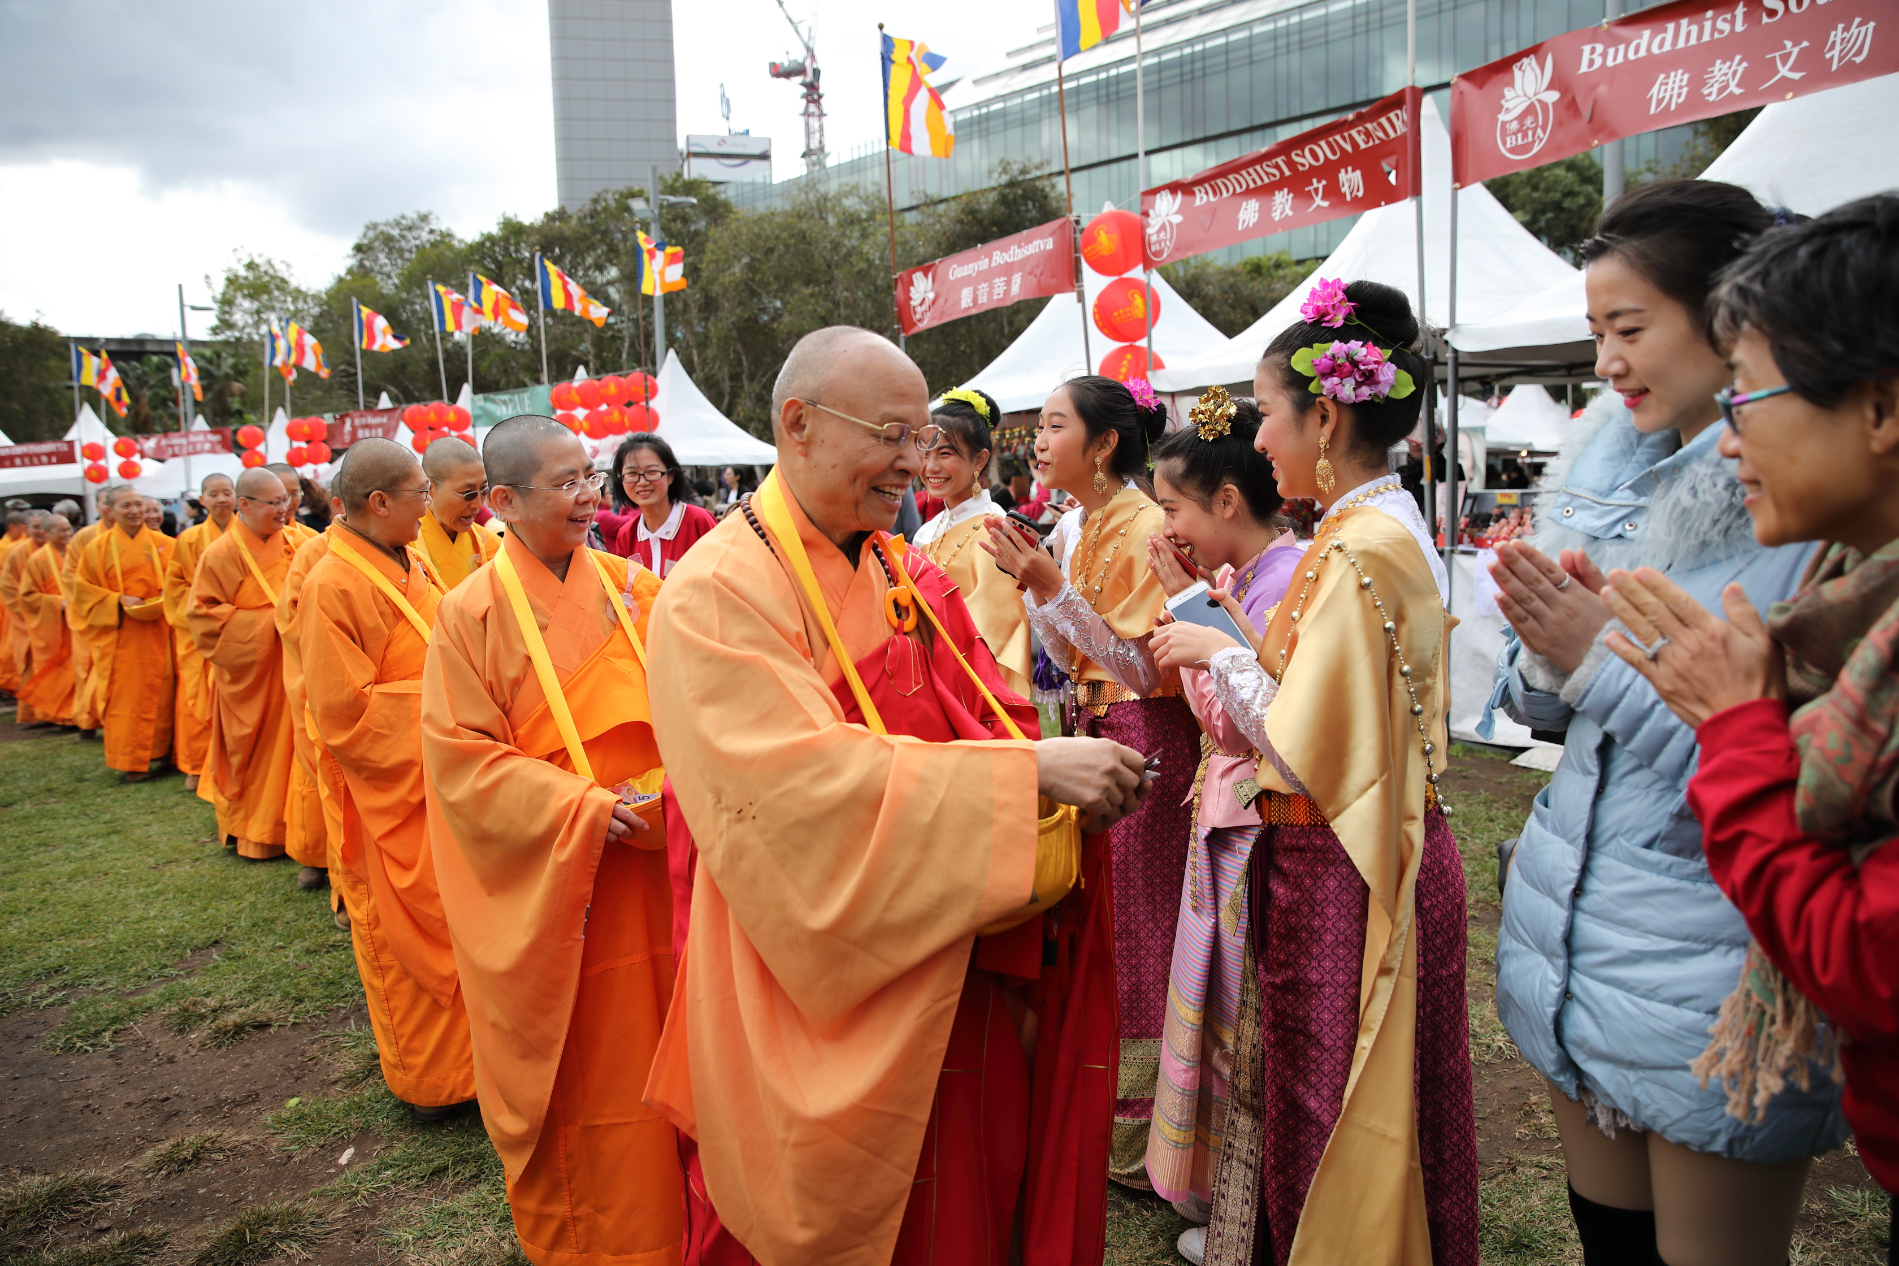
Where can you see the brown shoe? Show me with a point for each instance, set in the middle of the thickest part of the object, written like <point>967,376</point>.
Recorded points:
<point>341,917</point>
<point>137,777</point>
<point>310,878</point>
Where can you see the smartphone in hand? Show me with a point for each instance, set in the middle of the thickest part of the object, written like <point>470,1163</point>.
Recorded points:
<point>1192,606</point>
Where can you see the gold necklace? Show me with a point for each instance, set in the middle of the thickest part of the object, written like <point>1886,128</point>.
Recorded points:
<point>944,563</point>
<point>1093,545</point>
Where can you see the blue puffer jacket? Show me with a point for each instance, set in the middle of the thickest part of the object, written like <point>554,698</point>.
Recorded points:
<point>1616,949</point>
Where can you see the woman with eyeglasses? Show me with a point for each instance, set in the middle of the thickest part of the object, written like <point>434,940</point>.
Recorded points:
<point>953,475</point>
<point>1094,612</point>
<point>1617,949</point>
<point>661,521</point>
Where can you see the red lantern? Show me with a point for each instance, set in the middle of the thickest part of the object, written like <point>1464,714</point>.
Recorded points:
<point>130,470</point>
<point>641,387</point>
<point>594,426</point>
<point>1111,244</point>
<point>125,446</point>
<point>318,453</point>
<point>612,388</point>
<point>415,417</point>
<point>95,473</point>
<point>316,429</point>
<point>92,451</point>
<point>1121,310</point>
<point>641,417</point>
<point>298,455</point>
<point>1123,363</point>
<point>423,438</point>
<point>459,418</point>
<point>569,420</point>
<point>438,415</point>
<point>588,392</point>
<point>616,419</point>
<point>252,459</point>
<point>293,431</point>
<point>251,437</point>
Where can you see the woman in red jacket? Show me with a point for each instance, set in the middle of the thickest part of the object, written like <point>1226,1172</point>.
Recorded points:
<point>1798,716</point>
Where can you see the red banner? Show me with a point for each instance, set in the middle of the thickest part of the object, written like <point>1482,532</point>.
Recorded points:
<point>1674,64</point>
<point>170,444</point>
<point>1030,265</point>
<point>363,424</point>
<point>44,453</point>
<point>1358,163</point>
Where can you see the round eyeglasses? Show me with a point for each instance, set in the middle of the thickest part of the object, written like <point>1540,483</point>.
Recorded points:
<point>894,433</point>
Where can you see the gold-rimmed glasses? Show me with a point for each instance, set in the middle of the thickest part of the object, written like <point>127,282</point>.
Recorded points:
<point>893,433</point>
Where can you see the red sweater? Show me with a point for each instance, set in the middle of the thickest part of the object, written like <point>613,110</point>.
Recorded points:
<point>1833,930</point>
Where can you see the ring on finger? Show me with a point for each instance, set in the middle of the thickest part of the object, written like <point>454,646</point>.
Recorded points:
<point>1654,648</point>
<point>1565,583</point>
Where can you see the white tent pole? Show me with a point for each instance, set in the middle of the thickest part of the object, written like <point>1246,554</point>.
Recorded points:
<point>1140,165</point>
<point>1417,174</point>
<point>1451,512</point>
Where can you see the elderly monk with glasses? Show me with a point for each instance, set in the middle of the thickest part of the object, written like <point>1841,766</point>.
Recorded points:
<point>118,610</point>
<point>454,544</point>
<point>892,1038</point>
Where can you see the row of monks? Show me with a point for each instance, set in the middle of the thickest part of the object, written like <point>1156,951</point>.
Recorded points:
<point>683,883</point>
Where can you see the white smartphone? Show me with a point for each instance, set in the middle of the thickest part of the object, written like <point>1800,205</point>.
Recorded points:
<point>1192,606</point>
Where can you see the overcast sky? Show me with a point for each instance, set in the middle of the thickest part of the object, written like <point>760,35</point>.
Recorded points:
<point>145,144</point>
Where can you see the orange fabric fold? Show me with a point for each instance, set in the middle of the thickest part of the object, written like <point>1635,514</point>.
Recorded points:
<point>306,837</point>
<point>131,670</point>
<point>9,672</point>
<point>191,725</point>
<point>85,711</point>
<point>43,611</point>
<point>17,647</point>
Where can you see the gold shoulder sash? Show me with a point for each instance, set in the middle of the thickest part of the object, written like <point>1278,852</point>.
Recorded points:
<point>256,571</point>
<point>347,552</point>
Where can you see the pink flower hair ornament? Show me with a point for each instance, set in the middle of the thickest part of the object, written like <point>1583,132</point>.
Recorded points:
<point>1326,304</point>
<point>1143,393</point>
<point>1353,372</point>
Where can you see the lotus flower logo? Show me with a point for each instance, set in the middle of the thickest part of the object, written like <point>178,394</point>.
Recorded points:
<point>922,296</point>
<point>1523,125</point>
<point>1161,219</point>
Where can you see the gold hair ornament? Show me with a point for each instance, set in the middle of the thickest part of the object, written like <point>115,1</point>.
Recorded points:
<point>1212,414</point>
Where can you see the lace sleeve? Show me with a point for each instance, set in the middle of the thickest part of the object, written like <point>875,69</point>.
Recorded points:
<point>1067,622</point>
<point>1246,692</point>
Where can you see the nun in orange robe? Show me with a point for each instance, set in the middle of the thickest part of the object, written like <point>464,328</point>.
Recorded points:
<point>311,835</point>
<point>363,656</point>
<point>85,711</point>
<point>232,618</point>
<point>191,725</point>
<point>562,938</point>
<point>131,676</point>
<point>43,610</point>
<point>9,672</point>
<point>18,645</point>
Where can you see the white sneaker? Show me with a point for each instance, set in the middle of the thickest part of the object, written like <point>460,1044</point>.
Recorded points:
<point>1194,1209</point>
<point>1193,1245</point>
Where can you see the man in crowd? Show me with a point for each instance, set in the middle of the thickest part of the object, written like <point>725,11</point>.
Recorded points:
<point>117,606</point>
<point>9,672</point>
<point>534,734</point>
<point>364,621</point>
<point>313,826</point>
<point>191,727</point>
<point>19,647</point>
<point>42,604</point>
<point>231,615</point>
<point>454,543</point>
<point>85,709</point>
<point>154,514</point>
<point>840,1055</point>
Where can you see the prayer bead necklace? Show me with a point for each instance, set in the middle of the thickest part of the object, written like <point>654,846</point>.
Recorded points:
<point>1093,544</point>
<point>1330,544</point>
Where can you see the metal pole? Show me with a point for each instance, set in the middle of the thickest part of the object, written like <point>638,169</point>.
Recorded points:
<point>1081,279</point>
<point>1061,108</point>
<point>659,277</point>
<point>72,358</point>
<point>1611,150</point>
<point>890,201</point>
<point>266,406</point>
<point>356,336</point>
<point>184,396</point>
<point>1140,170</point>
<point>1453,512</point>
<point>540,288</point>
<point>435,320</point>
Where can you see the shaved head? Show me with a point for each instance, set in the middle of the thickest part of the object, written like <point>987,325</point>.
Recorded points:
<point>213,480</point>
<point>373,466</point>
<point>280,469</point>
<point>514,451</point>
<point>812,359</point>
<point>111,497</point>
<point>447,457</point>
<point>68,510</point>
<point>258,483</point>
<point>17,518</point>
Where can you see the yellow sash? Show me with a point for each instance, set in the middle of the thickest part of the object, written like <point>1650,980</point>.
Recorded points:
<point>619,608</point>
<point>347,552</point>
<point>257,571</point>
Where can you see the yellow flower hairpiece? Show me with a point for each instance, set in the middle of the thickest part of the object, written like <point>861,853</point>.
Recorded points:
<point>1212,414</point>
<point>973,399</point>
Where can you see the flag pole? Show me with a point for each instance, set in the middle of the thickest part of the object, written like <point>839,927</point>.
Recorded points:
<point>72,348</point>
<point>437,319</point>
<point>1417,175</point>
<point>184,409</point>
<point>266,405</point>
<point>1140,165</point>
<point>356,336</point>
<point>890,203</point>
<point>1068,182</point>
<point>659,272</point>
<point>540,288</point>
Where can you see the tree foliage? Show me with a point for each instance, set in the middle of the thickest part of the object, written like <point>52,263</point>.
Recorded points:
<point>36,366</point>
<point>1557,202</point>
<point>1233,296</point>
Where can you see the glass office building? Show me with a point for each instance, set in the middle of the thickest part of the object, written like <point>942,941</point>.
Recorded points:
<point>1223,77</point>
<point>614,109</point>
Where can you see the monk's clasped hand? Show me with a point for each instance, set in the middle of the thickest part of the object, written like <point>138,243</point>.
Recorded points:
<point>1698,664</point>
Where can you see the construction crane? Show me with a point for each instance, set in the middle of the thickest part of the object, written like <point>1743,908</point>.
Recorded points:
<point>805,73</point>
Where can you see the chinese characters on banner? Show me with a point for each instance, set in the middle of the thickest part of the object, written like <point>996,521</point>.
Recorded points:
<point>363,424</point>
<point>44,453</point>
<point>1028,265</point>
<point>1349,165</point>
<point>169,444</point>
<point>1674,64</point>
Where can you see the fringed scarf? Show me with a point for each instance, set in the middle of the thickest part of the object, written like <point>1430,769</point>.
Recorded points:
<point>1841,636</point>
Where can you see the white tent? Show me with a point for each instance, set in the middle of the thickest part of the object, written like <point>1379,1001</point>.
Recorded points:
<point>1528,419</point>
<point>1499,264</point>
<point>68,477</point>
<point>1049,351</point>
<point>1547,326</point>
<point>699,434</point>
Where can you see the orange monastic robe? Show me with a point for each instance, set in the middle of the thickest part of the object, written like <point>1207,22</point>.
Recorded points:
<point>562,941</point>
<point>312,830</point>
<point>85,709</point>
<point>363,659</point>
<point>232,618</point>
<point>17,647</point>
<point>43,610</point>
<point>455,560</point>
<point>9,671</point>
<point>191,726</point>
<point>131,676</point>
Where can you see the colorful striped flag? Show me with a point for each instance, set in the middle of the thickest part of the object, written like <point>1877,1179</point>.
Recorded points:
<point>374,333</point>
<point>660,265</point>
<point>913,112</point>
<point>559,291</point>
<point>97,372</point>
<point>305,351</point>
<point>277,352</point>
<point>188,372</point>
<point>497,306</point>
<point>452,312</point>
<point>1082,24</point>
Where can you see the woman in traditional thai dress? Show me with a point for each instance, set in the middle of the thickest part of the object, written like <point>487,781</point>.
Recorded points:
<point>1220,509</point>
<point>1349,1135</point>
<point>1094,612</point>
<point>953,475</point>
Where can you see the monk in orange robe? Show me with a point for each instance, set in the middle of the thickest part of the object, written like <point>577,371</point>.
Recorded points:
<point>85,711</point>
<point>535,739</point>
<point>364,624</point>
<point>232,618</point>
<point>848,1061</point>
<point>191,725</point>
<point>455,544</point>
<point>15,535</point>
<point>43,612</point>
<point>311,833</point>
<point>117,602</point>
<point>18,648</point>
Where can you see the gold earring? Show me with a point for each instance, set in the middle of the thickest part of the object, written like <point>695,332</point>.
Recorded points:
<point>1101,480</point>
<point>1322,473</point>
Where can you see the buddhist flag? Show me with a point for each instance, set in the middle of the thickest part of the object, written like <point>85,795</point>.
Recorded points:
<point>452,312</point>
<point>188,372</point>
<point>277,352</point>
<point>374,333</point>
<point>914,118</point>
<point>662,267</point>
<point>1083,24</point>
<point>97,372</point>
<point>305,351</point>
<point>559,291</point>
<point>497,306</point>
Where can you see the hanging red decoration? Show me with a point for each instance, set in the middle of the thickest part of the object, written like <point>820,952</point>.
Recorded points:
<point>415,416</point>
<point>587,391</point>
<point>595,425</point>
<point>641,387</point>
<point>423,438</point>
<point>293,430</point>
<point>253,458</point>
<point>316,429</point>
<point>125,446</point>
<point>562,396</point>
<point>1121,310</point>
<point>459,419</point>
<point>569,420</point>
<point>250,436</point>
<point>642,417</point>
<point>130,470</point>
<point>318,452</point>
<point>1111,244</point>
<point>92,450</point>
<point>616,419</point>
<point>612,388</point>
<point>95,473</point>
<point>298,455</point>
<point>1128,361</point>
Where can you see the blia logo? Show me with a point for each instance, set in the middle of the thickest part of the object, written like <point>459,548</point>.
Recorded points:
<point>1161,219</point>
<point>1523,125</point>
<point>922,295</point>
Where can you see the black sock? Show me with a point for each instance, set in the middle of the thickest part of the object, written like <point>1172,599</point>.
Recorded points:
<point>1614,1237</point>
